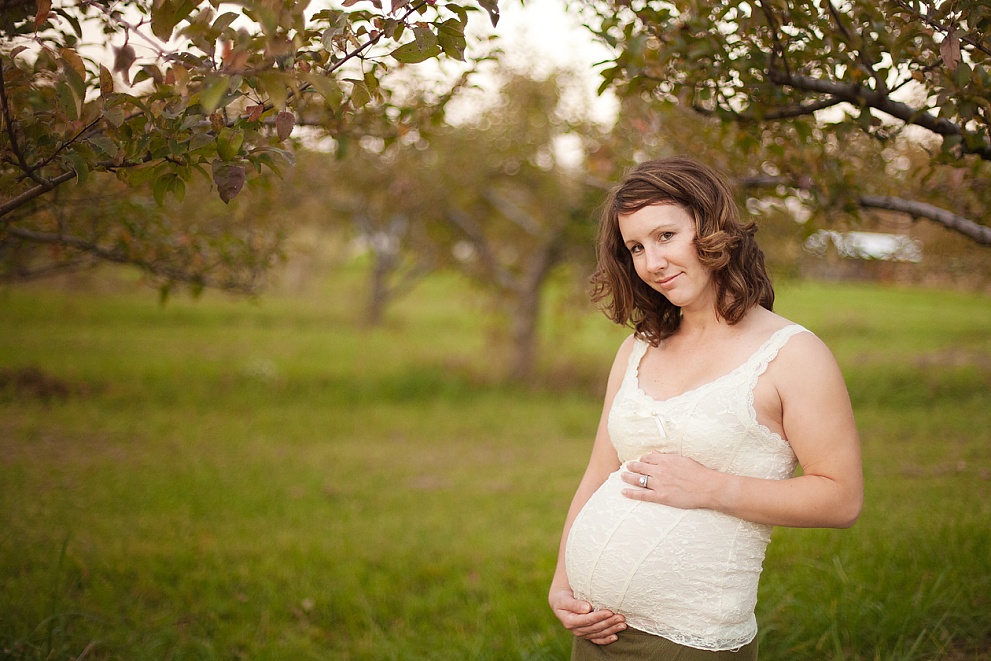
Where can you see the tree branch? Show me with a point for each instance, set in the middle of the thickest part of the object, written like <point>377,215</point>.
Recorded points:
<point>980,234</point>
<point>91,248</point>
<point>32,193</point>
<point>789,112</point>
<point>514,212</point>
<point>865,97</point>
<point>468,225</point>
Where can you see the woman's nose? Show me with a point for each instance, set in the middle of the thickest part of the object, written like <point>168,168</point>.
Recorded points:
<point>656,261</point>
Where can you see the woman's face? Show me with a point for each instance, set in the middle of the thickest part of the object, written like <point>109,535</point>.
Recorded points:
<point>661,241</point>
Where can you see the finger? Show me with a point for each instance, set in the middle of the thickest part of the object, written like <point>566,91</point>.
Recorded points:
<point>637,494</point>
<point>601,629</point>
<point>610,635</point>
<point>578,606</point>
<point>593,622</point>
<point>642,481</point>
<point>630,478</point>
<point>579,622</point>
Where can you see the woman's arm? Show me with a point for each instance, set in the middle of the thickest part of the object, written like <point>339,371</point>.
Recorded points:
<point>577,615</point>
<point>817,420</point>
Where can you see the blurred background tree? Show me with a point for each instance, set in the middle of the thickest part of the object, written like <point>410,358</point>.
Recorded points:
<point>499,196</point>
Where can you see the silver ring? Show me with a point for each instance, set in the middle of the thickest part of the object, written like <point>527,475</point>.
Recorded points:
<point>643,481</point>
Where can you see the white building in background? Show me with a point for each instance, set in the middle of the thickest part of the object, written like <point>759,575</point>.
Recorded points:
<point>866,245</point>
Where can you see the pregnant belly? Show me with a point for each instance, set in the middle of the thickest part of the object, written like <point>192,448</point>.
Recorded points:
<point>664,567</point>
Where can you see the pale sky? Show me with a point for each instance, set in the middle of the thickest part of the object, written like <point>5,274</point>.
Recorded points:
<point>544,35</point>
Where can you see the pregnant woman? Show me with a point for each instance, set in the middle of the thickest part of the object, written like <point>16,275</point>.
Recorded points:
<point>710,405</point>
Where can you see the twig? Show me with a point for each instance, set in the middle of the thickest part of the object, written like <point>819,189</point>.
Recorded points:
<point>941,27</point>
<point>12,136</point>
<point>865,61</point>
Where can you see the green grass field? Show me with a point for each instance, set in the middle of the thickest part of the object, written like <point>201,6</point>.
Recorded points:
<point>220,479</point>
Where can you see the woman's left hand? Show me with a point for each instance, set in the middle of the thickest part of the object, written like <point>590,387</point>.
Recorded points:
<point>671,480</point>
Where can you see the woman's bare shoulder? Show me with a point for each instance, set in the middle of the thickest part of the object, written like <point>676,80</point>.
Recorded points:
<point>625,350</point>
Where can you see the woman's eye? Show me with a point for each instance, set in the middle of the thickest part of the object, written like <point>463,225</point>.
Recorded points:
<point>666,236</point>
<point>636,249</point>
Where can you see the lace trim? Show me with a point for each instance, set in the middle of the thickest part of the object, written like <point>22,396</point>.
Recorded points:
<point>763,356</point>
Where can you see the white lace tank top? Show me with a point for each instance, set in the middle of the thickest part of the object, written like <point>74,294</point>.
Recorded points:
<point>687,575</point>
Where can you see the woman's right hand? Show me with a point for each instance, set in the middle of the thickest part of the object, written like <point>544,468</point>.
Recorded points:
<point>578,617</point>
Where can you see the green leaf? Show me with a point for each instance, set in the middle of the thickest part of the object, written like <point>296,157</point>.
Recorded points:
<point>229,144</point>
<point>80,167</point>
<point>167,14</point>
<point>214,88</point>
<point>136,177</point>
<point>425,38</point>
<point>199,140</point>
<point>224,21</point>
<point>66,101</point>
<point>114,116</point>
<point>105,145</point>
<point>76,85</point>
<point>326,87</point>
<point>360,96</point>
<point>178,188</point>
<point>411,54</point>
<point>452,39</point>
<point>160,188</point>
<point>273,84</point>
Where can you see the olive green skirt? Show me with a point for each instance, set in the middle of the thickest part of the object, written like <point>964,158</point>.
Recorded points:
<point>633,644</point>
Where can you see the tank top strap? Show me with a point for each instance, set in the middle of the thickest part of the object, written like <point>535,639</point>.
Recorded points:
<point>769,350</point>
<point>636,355</point>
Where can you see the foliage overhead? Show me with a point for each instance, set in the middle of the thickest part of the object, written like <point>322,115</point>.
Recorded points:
<point>797,79</point>
<point>159,92</point>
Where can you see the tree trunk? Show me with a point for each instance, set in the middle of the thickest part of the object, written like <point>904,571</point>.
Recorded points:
<point>523,329</point>
<point>526,308</point>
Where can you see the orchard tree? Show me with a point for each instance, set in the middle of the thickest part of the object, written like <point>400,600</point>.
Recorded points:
<point>796,81</point>
<point>389,204</point>
<point>498,195</point>
<point>510,198</point>
<point>158,93</point>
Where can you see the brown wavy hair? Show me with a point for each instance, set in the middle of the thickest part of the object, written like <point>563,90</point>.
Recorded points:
<point>725,244</point>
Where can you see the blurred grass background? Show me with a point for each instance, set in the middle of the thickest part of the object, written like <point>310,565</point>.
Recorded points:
<point>217,479</point>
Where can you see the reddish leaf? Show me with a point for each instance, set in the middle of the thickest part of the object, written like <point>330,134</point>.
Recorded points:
<point>106,82</point>
<point>123,59</point>
<point>44,7</point>
<point>284,123</point>
<point>255,112</point>
<point>949,50</point>
<point>229,179</point>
